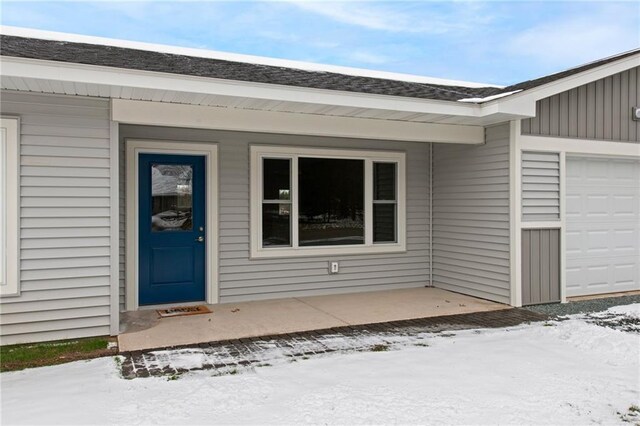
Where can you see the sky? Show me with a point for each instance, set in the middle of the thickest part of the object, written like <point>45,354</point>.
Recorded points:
<point>490,42</point>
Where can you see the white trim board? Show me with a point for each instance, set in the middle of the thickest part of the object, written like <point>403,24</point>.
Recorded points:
<point>579,146</point>
<point>10,205</point>
<point>206,117</point>
<point>134,147</point>
<point>114,240</point>
<point>552,224</point>
<point>515,212</point>
<point>563,227</point>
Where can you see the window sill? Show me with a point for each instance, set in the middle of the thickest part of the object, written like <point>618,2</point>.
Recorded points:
<point>286,252</point>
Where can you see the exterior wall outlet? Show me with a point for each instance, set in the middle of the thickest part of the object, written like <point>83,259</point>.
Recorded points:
<point>334,267</point>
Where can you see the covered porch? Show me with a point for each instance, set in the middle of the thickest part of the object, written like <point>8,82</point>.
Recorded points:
<point>144,329</point>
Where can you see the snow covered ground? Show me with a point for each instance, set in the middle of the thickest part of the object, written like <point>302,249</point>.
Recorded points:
<point>568,372</point>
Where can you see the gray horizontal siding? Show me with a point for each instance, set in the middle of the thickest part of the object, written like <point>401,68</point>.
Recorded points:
<point>242,278</point>
<point>540,186</point>
<point>600,110</point>
<point>471,217</point>
<point>64,233</point>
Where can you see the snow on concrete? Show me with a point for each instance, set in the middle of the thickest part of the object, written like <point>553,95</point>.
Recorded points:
<point>627,310</point>
<point>624,318</point>
<point>566,372</point>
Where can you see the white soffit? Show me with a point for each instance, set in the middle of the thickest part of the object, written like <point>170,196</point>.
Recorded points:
<point>195,116</point>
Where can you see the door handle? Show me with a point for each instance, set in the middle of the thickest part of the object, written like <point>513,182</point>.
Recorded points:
<point>200,239</point>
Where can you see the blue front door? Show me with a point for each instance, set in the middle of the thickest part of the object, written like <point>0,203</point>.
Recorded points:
<point>171,228</point>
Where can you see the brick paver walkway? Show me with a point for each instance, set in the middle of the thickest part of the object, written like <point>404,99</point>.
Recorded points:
<point>233,356</point>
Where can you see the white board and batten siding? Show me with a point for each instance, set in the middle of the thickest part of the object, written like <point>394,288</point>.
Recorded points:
<point>242,278</point>
<point>471,228</point>
<point>65,225</point>
<point>540,186</point>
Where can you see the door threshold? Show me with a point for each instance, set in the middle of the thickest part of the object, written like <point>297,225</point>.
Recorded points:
<point>170,305</point>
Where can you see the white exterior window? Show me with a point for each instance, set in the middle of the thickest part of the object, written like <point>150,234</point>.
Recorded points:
<point>9,206</point>
<point>312,202</point>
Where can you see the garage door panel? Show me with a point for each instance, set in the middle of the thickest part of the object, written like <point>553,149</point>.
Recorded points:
<point>625,242</point>
<point>602,225</point>
<point>612,240</point>
<point>621,204</point>
<point>597,275</point>
<point>625,205</point>
<point>573,205</point>
<point>626,173</point>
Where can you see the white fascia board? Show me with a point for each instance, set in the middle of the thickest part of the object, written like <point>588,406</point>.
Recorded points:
<point>523,103</point>
<point>93,74</point>
<point>206,117</point>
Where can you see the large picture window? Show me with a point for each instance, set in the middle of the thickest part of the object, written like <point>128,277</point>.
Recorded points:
<point>309,201</point>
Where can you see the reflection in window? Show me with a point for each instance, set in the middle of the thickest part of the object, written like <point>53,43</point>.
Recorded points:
<point>276,202</point>
<point>331,208</point>
<point>171,193</point>
<point>384,202</point>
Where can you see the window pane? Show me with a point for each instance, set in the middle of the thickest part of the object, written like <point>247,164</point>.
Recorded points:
<point>384,181</point>
<point>276,179</point>
<point>276,219</point>
<point>171,189</point>
<point>331,206</point>
<point>384,223</point>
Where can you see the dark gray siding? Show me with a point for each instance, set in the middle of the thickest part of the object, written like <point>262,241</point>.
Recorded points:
<point>244,279</point>
<point>65,225</point>
<point>540,266</point>
<point>540,186</point>
<point>600,110</point>
<point>471,217</point>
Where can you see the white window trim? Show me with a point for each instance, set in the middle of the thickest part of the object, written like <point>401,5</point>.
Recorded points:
<point>258,152</point>
<point>10,214</point>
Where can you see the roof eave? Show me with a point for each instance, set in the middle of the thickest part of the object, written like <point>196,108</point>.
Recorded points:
<point>95,74</point>
<point>524,102</point>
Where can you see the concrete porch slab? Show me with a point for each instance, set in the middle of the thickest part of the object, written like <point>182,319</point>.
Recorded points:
<point>144,330</point>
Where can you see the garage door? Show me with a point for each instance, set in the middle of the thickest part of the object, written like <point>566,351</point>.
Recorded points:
<point>603,225</point>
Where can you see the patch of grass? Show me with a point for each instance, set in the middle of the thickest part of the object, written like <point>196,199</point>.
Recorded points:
<point>19,357</point>
<point>379,348</point>
<point>424,345</point>
<point>173,377</point>
<point>634,408</point>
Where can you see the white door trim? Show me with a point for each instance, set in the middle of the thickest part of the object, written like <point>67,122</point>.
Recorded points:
<point>134,147</point>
